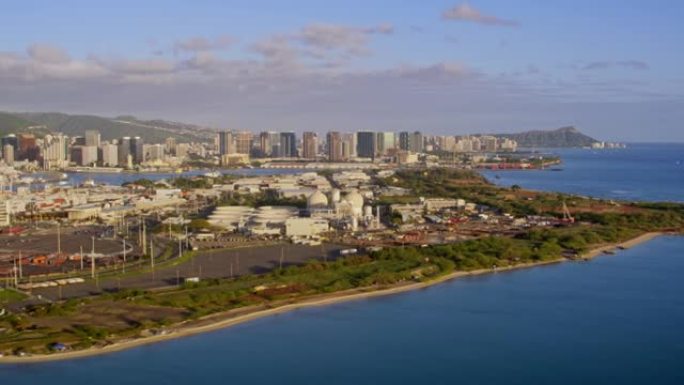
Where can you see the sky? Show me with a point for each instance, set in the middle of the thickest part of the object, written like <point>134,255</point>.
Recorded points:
<point>613,69</point>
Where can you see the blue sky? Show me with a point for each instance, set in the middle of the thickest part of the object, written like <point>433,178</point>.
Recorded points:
<point>612,68</point>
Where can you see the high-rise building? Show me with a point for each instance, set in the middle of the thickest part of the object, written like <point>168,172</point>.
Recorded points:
<point>348,146</point>
<point>288,145</point>
<point>365,147</point>
<point>8,154</point>
<point>12,140</point>
<point>110,155</point>
<point>404,140</point>
<point>411,141</point>
<point>416,142</point>
<point>84,155</point>
<point>334,146</point>
<point>55,151</point>
<point>309,145</point>
<point>385,142</point>
<point>92,138</point>
<point>153,152</point>
<point>226,142</point>
<point>489,143</point>
<point>124,150</point>
<point>137,150</point>
<point>182,150</point>
<point>170,144</point>
<point>28,150</point>
<point>243,142</point>
<point>265,143</point>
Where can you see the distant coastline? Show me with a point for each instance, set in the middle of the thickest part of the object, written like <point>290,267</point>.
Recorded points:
<point>239,316</point>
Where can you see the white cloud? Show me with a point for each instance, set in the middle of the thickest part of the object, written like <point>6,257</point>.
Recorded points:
<point>465,12</point>
<point>202,44</point>
<point>46,53</point>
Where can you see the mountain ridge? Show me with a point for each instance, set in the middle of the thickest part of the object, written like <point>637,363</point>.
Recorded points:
<point>568,136</point>
<point>110,128</point>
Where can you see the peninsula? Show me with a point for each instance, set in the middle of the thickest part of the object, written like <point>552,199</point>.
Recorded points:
<point>432,225</point>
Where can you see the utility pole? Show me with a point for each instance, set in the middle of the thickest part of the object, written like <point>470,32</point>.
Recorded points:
<point>81,256</point>
<point>187,245</point>
<point>21,271</point>
<point>59,239</point>
<point>144,235</point>
<point>14,271</point>
<point>152,255</point>
<point>123,267</point>
<point>92,265</point>
<point>281,257</point>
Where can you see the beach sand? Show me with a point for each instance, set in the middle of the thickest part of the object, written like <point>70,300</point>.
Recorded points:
<point>229,318</point>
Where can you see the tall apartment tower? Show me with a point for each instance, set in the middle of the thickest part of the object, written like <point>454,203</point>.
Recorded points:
<point>309,145</point>
<point>243,142</point>
<point>334,146</point>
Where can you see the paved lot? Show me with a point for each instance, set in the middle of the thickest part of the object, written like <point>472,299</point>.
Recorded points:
<point>207,264</point>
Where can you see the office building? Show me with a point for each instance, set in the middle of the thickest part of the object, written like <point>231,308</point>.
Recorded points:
<point>226,143</point>
<point>92,138</point>
<point>110,155</point>
<point>28,150</point>
<point>137,150</point>
<point>288,145</point>
<point>365,147</point>
<point>124,150</point>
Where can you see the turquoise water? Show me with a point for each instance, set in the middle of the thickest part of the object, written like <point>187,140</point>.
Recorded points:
<point>614,320</point>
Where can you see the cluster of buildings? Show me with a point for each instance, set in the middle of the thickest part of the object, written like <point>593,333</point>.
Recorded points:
<point>59,151</point>
<point>235,147</point>
<point>102,203</point>
<point>326,207</point>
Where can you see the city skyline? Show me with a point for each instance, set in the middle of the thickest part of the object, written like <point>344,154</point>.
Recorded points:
<point>442,67</point>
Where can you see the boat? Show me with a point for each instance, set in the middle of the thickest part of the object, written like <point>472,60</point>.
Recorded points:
<point>608,252</point>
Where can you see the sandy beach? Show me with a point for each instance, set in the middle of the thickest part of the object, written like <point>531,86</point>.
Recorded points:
<point>229,318</point>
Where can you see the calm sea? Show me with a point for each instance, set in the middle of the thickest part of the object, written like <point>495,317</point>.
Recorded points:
<point>615,320</point>
<point>640,172</point>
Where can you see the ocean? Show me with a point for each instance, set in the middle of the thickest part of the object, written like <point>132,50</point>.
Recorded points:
<point>646,172</point>
<point>616,319</point>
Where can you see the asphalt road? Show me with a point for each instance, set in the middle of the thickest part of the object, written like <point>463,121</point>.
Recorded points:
<point>206,264</point>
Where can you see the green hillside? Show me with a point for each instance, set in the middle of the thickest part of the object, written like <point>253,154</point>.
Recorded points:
<point>75,125</point>
<point>10,123</point>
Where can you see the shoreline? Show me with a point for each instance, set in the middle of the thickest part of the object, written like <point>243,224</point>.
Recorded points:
<point>321,300</point>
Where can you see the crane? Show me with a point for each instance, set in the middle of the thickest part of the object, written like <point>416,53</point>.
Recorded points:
<point>567,217</point>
